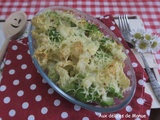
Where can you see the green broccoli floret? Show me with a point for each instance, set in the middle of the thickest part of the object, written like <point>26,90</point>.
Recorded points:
<point>107,102</point>
<point>54,35</point>
<point>54,18</point>
<point>52,72</point>
<point>113,93</point>
<point>85,96</point>
<point>93,31</point>
<point>72,24</point>
<point>73,87</point>
<point>104,39</point>
<point>80,95</point>
<point>92,27</point>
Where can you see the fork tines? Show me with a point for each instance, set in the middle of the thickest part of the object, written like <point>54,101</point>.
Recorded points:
<point>124,23</point>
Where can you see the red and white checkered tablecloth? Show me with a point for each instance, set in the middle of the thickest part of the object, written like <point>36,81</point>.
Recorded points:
<point>149,11</point>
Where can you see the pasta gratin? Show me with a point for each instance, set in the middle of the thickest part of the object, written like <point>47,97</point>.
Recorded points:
<point>79,58</point>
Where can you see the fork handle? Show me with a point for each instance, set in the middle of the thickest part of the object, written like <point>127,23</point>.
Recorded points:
<point>154,83</point>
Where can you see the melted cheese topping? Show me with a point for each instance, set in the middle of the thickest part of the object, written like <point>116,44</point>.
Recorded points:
<point>77,55</point>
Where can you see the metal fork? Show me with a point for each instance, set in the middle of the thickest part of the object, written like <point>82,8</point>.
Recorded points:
<point>125,29</point>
